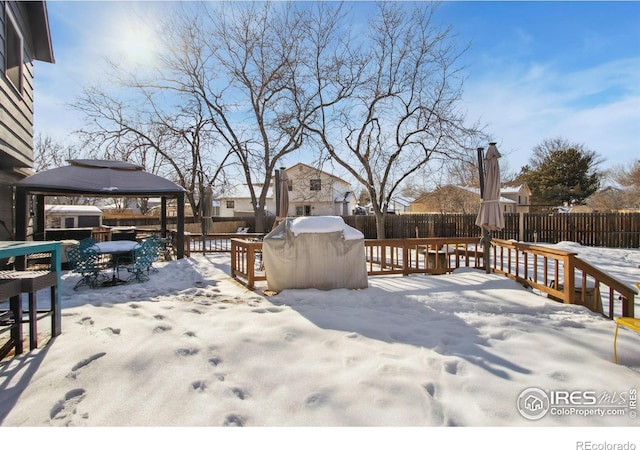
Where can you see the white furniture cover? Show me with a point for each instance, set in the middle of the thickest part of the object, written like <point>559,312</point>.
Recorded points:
<point>320,252</point>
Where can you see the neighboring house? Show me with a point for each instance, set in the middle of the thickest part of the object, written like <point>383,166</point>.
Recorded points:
<point>451,199</point>
<point>236,201</point>
<point>521,194</point>
<point>312,192</point>
<point>397,205</point>
<point>400,204</point>
<point>24,38</point>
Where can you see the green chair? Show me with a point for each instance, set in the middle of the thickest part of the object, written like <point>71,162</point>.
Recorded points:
<point>143,258</point>
<point>86,262</point>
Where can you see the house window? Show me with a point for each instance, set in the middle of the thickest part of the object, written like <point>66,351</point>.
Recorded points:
<point>230,204</point>
<point>13,52</point>
<point>304,210</point>
<point>289,185</point>
<point>315,184</point>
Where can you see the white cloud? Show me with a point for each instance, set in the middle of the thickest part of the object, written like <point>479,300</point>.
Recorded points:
<point>598,107</point>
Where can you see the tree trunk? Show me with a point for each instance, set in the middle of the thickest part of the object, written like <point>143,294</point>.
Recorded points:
<point>260,222</point>
<point>380,225</point>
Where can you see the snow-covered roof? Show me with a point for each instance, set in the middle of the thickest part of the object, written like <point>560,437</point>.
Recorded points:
<point>78,210</point>
<point>242,191</point>
<point>477,191</point>
<point>512,189</point>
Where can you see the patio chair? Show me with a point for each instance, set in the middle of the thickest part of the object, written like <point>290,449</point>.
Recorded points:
<point>86,243</point>
<point>157,248</point>
<point>86,262</point>
<point>143,258</point>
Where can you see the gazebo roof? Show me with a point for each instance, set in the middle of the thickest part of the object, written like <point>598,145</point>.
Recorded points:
<point>100,178</point>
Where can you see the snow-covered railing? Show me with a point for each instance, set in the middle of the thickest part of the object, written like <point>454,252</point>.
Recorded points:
<point>562,276</point>
<point>214,242</point>
<point>432,256</point>
<point>383,257</point>
<point>559,274</point>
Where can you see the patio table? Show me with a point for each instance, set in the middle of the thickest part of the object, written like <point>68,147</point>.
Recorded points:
<point>117,249</point>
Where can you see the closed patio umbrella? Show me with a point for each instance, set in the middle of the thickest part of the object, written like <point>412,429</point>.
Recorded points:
<point>490,216</point>
<point>283,205</point>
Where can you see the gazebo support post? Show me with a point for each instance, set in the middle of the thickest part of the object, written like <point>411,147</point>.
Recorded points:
<point>22,209</point>
<point>180,249</point>
<point>163,216</point>
<point>38,225</point>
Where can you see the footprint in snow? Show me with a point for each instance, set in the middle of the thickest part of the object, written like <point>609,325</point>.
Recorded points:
<point>430,388</point>
<point>187,351</point>
<point>85,362</point>
<point>199,386</point>
<point>234,420</point>
<point>66,409</point>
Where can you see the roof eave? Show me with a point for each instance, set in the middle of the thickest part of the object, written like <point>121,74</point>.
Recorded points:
<point>41,33</point>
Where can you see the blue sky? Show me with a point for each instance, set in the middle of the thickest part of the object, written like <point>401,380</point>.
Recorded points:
<point>535,70</point>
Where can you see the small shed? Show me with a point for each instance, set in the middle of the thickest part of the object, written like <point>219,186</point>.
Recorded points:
<point>320,252</point>
<point>72,216</point>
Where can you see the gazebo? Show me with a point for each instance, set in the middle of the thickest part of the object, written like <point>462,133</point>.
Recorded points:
<point>96,178</point>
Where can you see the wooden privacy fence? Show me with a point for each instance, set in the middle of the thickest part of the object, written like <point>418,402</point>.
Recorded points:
<point>618,230</point>
<point>559,274</point>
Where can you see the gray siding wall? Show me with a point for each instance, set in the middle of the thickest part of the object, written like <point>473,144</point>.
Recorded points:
<point>16,110</point>
<point>16,114</point>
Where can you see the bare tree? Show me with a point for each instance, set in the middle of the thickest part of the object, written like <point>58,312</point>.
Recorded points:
<point>171,137</point>
<point>629,178</point>
<point>49,153</point>
<point>402,111</point>
<point>247,63</point>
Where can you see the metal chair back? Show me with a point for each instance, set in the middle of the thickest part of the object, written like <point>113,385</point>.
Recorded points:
<point>143,258</point>
<point>84,261</point>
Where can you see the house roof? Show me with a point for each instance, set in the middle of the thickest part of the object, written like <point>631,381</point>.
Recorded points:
<point>515,189</point>
<point>472,190</point>
<point>345,198</point>
<point>404,201</point>
<point>315,169</point>
<point>477,192</point>
<point>242,191</point>
<point>72,209</point>
<point>99,178</point>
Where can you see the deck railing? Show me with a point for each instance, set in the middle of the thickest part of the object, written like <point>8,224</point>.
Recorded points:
<point>563,276</point>
<point>559,274</point>
<point>246,261</point>
<point>214,242</point>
